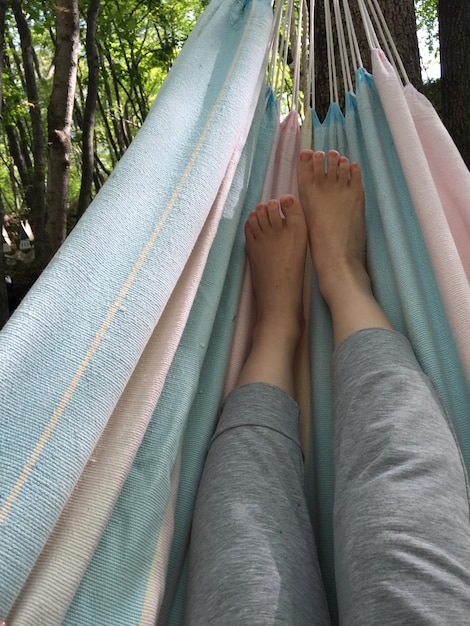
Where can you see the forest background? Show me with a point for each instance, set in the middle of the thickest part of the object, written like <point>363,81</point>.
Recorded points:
<point>77,78</point>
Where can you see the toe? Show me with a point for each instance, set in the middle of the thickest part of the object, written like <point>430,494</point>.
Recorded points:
<point>291,208</point>
<point>252,227</point>
<point>249,234</point>
<point>262,216</point>
<point>319,166</point>
<point>355,175</point>
<point>274,215</point>
<point>305,174</point>
<point>343,171</point>
<point>333,161</point>
<point>305,160</point>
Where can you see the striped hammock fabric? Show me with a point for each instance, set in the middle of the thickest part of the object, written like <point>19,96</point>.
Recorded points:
<point>126,350</point>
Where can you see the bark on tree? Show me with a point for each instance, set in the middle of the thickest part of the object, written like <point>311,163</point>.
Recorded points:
<point>401,20</point>
<point>89,114</point>
<point>115,134</point>
<point>20,153</point>
<point>114,152</point>
<point>400,17</point>
<point>38,196</point>
<point>59,119</point>
<point>4,309</point>
<point>454,35</point>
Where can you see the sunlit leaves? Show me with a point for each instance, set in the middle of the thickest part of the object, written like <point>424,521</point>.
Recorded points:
<point>138,41</point>
<point>427,22</point>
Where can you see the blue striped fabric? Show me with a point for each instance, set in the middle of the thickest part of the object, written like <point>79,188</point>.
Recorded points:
<point>68,352</point>
<point>206,403</point>
<point>403,282</point>
<point>122,563</point>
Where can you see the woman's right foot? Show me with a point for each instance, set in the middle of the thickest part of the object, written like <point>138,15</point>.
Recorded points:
<point>333,202</point>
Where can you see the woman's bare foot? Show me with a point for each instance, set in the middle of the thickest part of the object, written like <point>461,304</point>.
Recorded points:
<point>276,249</point>
<point>333,202</point>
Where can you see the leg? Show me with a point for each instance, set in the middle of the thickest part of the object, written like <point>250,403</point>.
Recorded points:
<point>334,209</point>
<point>252,555</point>
<point>276,250</point>
<point>402,537</point>
<point>401,519</point>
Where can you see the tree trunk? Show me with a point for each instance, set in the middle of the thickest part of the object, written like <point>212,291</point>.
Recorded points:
<point>113,107</point>
<point>89,113</point>
<point>454,35</point>
<point>400,17</point>
<point>4,309</point>
<point>38,202</point>
<point>20,149</point>
<point>114,152</point>
<point>401,20</point>
<point>59,119</point>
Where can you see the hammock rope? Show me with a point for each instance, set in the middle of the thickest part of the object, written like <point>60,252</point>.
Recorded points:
<point>387,39</point>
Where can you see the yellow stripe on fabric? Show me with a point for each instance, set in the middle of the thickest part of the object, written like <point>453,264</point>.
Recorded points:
<point>112,312</point>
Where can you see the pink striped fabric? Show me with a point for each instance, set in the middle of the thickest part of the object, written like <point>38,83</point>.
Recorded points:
<point>448,170</point>
<point>278,181</point>
<point>447,265</point>
<point>281,178</point>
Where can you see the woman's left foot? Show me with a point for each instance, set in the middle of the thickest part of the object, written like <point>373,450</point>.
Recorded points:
<point>276,247</point>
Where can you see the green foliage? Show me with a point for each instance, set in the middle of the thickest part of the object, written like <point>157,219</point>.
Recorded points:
<point>144,38</point>
<point>15,103</point>
<point>432,91</point>
<point>427,22</point>
<point>138,41</point>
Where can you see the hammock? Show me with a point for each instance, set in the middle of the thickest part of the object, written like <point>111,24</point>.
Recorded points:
<point>126,364</point>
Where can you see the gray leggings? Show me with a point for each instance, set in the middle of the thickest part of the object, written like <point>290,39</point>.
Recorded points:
<point>401,515</point>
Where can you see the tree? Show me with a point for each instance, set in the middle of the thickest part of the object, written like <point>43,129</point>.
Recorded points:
<point>128,51</point>
<point>454,37</point>
<point>427,23</point>
<point>401,20</point>
<point>4,312</point>
<point>35,172</point>
<point>59,120</point>
<point>89,114</point>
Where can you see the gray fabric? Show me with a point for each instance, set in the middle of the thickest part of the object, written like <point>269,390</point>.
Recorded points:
<point>401,518</point>
<point>252,554</point>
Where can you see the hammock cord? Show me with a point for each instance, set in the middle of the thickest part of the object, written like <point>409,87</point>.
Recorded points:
<point>311,71</point>
<point>331,55</point>
<point>383,37</point>
<point>342,48</point>
<point>285,47</point>
<point>353,43</point>
<point>387,38</point>
<point>274,43</point>
<point>371,37</point>
<point>304,68</point>
<point>296,87</point>
<point>294,31</point>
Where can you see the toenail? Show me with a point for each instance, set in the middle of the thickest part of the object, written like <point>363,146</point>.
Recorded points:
<point>287,202</point>
<point>305,156</point>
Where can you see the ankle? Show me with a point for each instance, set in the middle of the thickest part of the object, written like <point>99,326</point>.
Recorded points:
<point>282,333</point>
<point>343,280</point>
